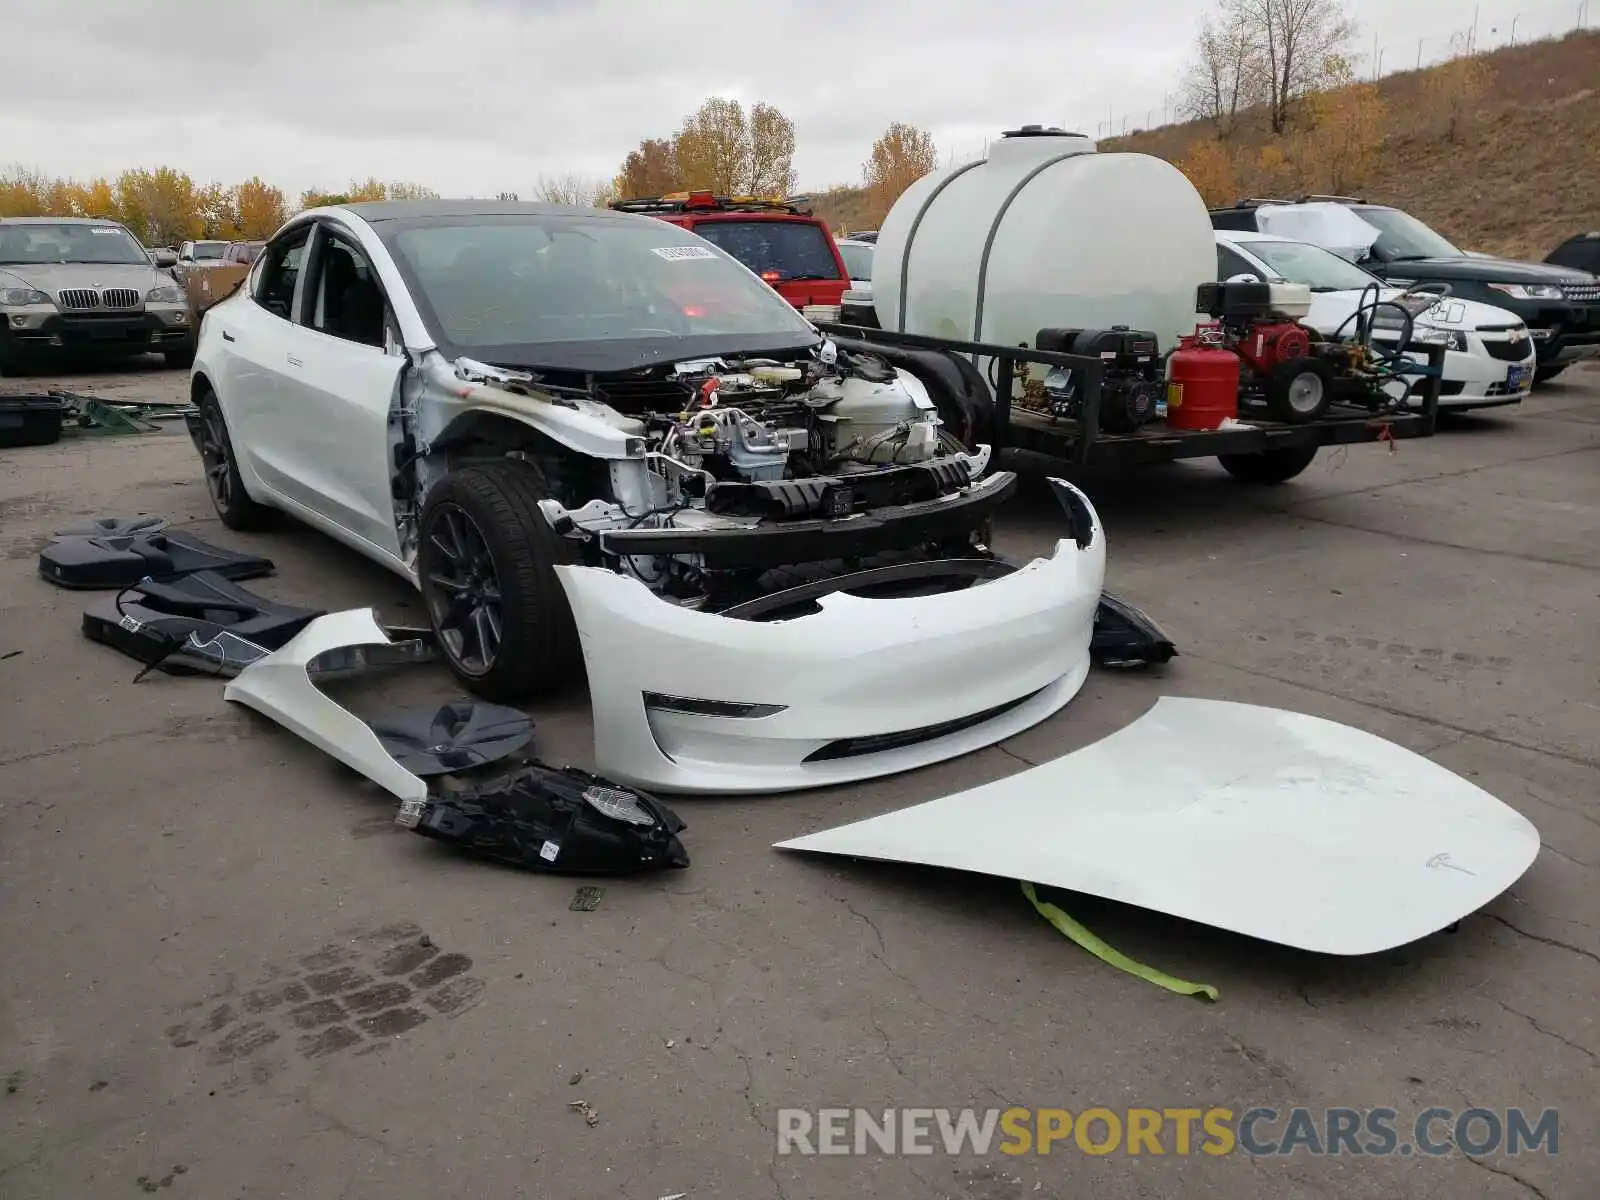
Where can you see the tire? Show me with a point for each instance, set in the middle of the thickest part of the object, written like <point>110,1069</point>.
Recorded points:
<point>489,513</point>
<point>179,360</point>
<point>1546,374</point>
<point>1299,391</point>
<point>1268,466</point>
<point>235,508</point>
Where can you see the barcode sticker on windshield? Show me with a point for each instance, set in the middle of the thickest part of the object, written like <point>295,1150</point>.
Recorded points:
<point>680,253</point>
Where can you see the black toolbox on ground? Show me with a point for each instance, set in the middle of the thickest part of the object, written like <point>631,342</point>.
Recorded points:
<point>30,420</point>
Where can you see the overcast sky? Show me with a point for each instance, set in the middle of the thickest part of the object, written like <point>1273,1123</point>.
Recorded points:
<point>474,97</point>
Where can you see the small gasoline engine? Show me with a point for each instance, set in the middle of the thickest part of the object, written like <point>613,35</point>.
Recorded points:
<point>1132,388</point>
<point>1281,362</point>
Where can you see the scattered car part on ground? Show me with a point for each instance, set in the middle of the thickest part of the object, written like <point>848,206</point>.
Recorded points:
<point>30,420</point>
<point>1125,637</point>
<point>78,287</point>
<point>559,820</point>
<point>113,527</point>
<point>1490,356</point>
<point>1273,824</point>
<point>194,624</point>
<point>458,736</point>
<point>104,563</point>
<point>720,450</point>
<point>280,686</point>
<point>1069,927</point>
<point>845,679</point>
<point>1559,304</point>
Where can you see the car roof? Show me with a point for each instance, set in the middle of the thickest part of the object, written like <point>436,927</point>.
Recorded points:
<point>1248,235</point>
<point>411,210</point>
<point>59,221</point>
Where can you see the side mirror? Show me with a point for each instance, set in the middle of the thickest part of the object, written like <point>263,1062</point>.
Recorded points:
<point>1245,277</point>
<point>165,259</point>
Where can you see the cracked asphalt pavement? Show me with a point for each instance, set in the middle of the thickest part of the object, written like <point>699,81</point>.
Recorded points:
<point>226,973</point>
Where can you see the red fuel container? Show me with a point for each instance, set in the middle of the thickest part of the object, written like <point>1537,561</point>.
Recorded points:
<point>1202,385</point>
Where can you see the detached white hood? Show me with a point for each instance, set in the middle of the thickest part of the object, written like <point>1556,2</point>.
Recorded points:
<point>1331,226</point>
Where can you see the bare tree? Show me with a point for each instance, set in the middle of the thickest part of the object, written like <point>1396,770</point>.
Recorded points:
<point>1227,72</point>
<point>1302,46</point>
<point>576,190</point>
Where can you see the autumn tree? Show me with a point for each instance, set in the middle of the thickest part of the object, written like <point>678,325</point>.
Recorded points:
<point>770,162</point>
<point>1227,73</point>
<point>578,191</point>
<point>1301,48</point>
<point>903,155</point>
<point>260,208</point>
<point>96,199</point>
<point>1213,172</point>
<point>711,147</point>
<point>161,206</point>
<point>651,170</point>
<point>1346,134</point>
<point>1451,90</point>
<point>218,209</point>
<point>23,193</point>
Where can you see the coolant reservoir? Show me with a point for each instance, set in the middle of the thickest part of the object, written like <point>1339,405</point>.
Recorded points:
<point>1044,233</point>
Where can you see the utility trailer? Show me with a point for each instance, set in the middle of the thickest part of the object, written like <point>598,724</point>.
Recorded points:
<point>1256,450</point>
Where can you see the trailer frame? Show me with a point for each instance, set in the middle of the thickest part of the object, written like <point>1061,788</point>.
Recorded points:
<point>1082,443</point>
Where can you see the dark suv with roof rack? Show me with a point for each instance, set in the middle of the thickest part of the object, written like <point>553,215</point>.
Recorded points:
<point>1560,305</point>
<point>777,239</point>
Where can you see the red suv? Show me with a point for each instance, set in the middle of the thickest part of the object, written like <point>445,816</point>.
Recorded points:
<point>777,239</point>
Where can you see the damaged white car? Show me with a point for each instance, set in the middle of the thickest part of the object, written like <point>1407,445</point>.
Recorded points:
<point>591,438</point>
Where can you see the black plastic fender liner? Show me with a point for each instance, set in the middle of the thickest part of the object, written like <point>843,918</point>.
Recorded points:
<point>556,820</point>
<point>103,563</point>
<point>197,624</point>
<point>113,527</point>
<point>458,736</point>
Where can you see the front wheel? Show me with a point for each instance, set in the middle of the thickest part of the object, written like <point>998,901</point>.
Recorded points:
<point>486,567</point>
<point>1268,466</point>
<point>234,506</point>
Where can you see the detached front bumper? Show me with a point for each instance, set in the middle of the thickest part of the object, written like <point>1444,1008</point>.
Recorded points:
<point>689,701</point>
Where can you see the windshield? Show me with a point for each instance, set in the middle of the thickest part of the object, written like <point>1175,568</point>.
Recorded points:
<point>1402,236</point>
<point>857,260</point>
<point>789,249</point>
<point>67,243</point>
<point>209,250</point>
<point>584,292</point>
<point>1320,270</point>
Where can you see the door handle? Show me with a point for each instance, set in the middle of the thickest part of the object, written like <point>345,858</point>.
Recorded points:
<point>228,337</point>
<point>295,362</point>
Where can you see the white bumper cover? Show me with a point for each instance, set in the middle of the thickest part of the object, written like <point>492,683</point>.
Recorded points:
<point>985,663</point>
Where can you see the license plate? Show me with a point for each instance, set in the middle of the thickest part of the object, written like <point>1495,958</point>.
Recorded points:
<point>1518,378</point>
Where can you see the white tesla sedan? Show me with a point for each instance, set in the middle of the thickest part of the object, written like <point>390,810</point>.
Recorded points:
<point>1490,356</point>
<point>593,438</point>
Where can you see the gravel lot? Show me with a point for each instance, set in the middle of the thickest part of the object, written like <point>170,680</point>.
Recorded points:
<point>178,875</point>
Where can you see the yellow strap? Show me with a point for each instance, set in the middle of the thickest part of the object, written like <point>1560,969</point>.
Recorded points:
<point>1105,953</point>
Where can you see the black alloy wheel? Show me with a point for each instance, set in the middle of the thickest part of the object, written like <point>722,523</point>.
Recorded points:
<point>464,596</point>
<point>234,506</point>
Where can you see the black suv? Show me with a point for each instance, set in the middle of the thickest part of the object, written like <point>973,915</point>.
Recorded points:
<point>1560,305</point>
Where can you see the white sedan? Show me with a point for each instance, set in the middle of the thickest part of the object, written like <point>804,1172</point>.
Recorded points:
<point>594,440</point>
<point>1489,359</point>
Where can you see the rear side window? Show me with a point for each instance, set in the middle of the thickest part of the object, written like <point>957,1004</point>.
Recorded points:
<point>788,249</point>
<point>275,285</point>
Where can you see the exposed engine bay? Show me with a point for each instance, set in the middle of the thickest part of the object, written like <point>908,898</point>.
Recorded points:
<point>795,448</point>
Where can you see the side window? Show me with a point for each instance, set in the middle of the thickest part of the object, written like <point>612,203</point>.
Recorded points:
<point>346,300</point>
<point>1230,264</point>
<point>280,272</point>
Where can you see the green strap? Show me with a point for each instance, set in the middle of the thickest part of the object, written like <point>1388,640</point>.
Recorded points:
<point>1105,953</point>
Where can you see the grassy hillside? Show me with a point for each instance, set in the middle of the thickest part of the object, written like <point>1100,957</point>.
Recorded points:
<point>1522,174</point>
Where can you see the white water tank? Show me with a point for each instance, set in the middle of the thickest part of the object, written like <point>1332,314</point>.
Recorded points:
<point>1044,233</point>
